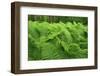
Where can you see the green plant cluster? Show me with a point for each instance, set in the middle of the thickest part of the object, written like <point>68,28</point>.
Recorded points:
<point>60,40</point>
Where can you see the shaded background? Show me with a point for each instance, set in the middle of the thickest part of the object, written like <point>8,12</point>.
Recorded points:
<point>56,19</point>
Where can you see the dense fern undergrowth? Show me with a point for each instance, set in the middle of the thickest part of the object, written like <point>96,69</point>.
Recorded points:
<point>57,40</point>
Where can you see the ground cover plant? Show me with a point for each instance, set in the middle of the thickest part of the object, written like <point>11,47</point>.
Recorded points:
<point>57,37</point>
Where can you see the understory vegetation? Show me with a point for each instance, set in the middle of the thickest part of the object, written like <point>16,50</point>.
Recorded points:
<point>57,37</point>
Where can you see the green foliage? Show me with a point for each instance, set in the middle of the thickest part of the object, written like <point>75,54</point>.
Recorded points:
<point>49,51</point>
<point>56,40</point>
<point>74,51</point>
<point>56,19</point>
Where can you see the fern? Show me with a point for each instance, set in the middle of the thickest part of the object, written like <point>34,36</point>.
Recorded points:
<point>56,40</point>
